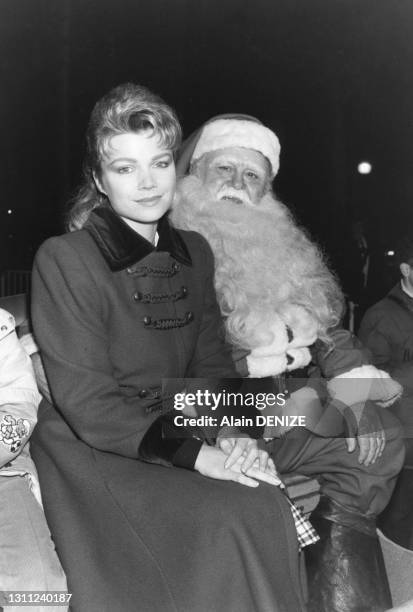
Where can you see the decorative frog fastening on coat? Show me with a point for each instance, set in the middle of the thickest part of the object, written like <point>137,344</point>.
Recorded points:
<point>158,298</point>
<point>171,323</point>
<point>155,271</point>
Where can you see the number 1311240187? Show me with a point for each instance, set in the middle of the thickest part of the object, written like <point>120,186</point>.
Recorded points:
<point>44,598</point>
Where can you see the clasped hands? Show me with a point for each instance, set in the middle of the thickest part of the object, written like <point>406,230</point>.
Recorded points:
<point>239,459</point>
<point>235,458</point>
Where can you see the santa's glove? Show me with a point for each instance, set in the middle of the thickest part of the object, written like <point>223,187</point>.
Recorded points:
<point>288,348</point>
<point>298,358</point>
<point>270,359</point>
<point>365,383</point>
<point>301,325</point>
<point>302,330</point>
<point>261,367</point>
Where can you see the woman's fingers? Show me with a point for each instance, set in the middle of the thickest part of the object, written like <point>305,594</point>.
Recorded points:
<point>250,458</point>
<point>265,477</point>
<point>245,480</point>
<point>264,459</point>
<point>233,457</point>
<point>268,475</point>
<point>271,466</point>
<point>383,443</point>
<point>226,445</point>
<point>240,445</point>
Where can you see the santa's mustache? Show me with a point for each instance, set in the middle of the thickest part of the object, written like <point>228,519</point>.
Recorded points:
<point>234,195</point>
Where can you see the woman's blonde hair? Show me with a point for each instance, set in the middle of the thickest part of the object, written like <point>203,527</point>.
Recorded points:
<point>126,108</point>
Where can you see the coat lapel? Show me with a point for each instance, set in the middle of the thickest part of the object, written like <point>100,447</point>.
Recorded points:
<point>122,247</point>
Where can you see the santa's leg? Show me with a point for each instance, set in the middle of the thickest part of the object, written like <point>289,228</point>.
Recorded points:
<point>345,568</point>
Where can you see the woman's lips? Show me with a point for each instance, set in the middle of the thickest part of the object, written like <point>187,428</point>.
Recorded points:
<point>151,200</point>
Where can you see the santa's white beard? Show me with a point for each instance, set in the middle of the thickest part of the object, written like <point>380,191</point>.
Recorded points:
<point>265,263</point>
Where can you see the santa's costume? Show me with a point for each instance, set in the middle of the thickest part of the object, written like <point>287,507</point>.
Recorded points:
<point>282,306</point>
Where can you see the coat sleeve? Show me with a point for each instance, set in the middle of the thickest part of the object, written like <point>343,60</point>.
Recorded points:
<point>70,329</point>
<point>19,397</point>
<point>345,354</point>
<point>375,333</point>
<point>351,379</point>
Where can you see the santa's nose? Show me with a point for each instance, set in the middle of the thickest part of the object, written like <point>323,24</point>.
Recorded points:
<point>237,180</point>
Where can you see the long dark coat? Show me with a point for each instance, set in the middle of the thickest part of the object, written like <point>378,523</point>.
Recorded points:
<point>113,316</point>
<point>387,331</point>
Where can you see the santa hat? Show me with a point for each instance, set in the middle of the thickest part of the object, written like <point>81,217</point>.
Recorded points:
<point>225,131</point>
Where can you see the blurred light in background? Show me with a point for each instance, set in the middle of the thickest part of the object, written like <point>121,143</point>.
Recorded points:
<point>390,253</point>
<point>364,167</point>
<point>9,211</point>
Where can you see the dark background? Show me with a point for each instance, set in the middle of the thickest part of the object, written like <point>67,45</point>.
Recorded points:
<point>333,78</point>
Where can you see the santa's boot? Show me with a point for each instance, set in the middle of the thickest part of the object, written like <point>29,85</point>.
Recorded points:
<point>345,568</point>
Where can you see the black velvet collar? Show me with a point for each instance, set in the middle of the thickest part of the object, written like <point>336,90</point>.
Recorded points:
<point>122,247</point>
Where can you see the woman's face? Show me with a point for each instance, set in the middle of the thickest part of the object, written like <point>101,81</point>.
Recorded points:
<point>138,176</point>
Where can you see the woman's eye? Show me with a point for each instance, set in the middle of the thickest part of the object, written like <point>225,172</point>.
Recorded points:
<point>252,175</point>
<point>164,163</point>
<point>124,170</point>
<point>224,168</point>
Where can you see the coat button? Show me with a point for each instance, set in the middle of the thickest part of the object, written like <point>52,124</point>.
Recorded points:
<point>175,267</point>
<point>143,393</point>
<point>129,270</point>
<point>137,296</point>
<point>189,316</point>
<point>184,291</point>
<point>147,320</point>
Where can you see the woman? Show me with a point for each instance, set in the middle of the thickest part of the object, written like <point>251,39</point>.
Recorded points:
<point>119,305</point>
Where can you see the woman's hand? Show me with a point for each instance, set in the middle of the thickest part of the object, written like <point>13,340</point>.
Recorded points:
<point>247,451</point>
<point>211,462</point>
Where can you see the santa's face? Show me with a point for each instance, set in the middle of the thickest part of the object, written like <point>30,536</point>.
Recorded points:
<point>235,174</point>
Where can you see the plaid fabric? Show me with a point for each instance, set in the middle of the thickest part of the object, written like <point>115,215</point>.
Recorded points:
<point>306,534</point>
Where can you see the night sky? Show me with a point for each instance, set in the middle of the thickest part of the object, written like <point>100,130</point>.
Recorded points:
<point>333,78</point>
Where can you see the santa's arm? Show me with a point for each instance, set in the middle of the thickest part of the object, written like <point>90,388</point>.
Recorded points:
<point>343,354</point>
<point>351,377</point>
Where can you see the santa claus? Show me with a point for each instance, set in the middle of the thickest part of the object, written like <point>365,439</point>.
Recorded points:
<point>282,307</point>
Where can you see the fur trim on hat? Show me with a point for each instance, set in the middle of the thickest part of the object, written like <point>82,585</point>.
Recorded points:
<point>225,133</point>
